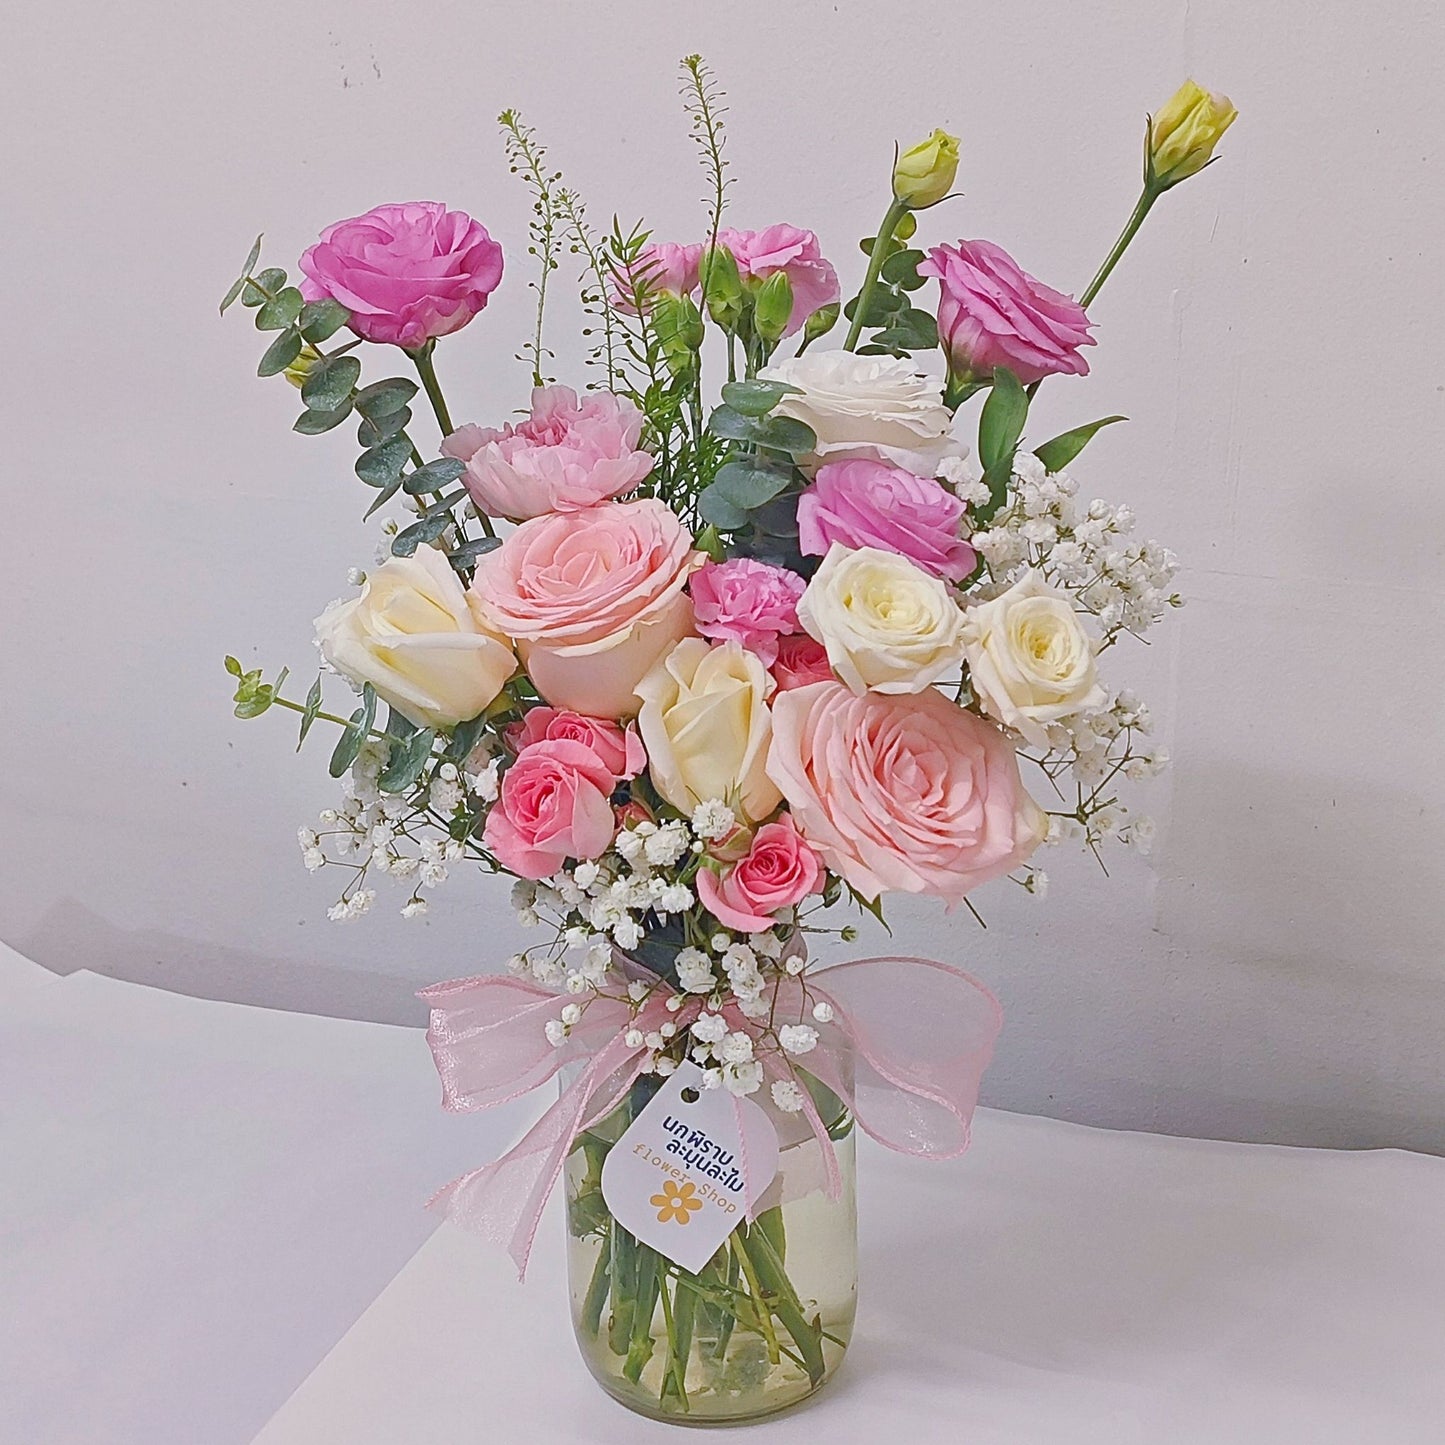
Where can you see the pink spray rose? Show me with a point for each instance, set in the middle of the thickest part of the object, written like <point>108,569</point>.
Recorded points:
<point>567,455</point>
<point>619,751</point>
<point>406,273</point>
<point>991,313</point>
<point>868,504</point>
<point>902,792</point>
<point>748,602</point>
<point>801,660</point>
<point>779,870</point>
<point>554,805</point>
<point>592,599</point>
<point>760,254</point>
<point>667,268</point>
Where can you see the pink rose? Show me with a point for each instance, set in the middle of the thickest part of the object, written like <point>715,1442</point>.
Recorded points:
<point>592,599</point>
<point>801,660</point>
<point>870,504</point>
<point>748,602</point>
<point>902,792</point>
<point>567,455</point>
<point>760,254</point>
<point>555,804</point>
<point>619,751</point>
<point>778,871</point>
<point>991,313</point>
<point>406,273</point>
<point>665,266</point>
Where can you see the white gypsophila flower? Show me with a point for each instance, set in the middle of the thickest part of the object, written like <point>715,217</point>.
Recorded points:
<point>823,1011</point>
<point>754,1006</point>
<point>313,858</point>
<point>767,945</point>
<point>653,1039</point>
<point>517,963</point>
<point>549,972</point>
<point>713,820</point>
<point>627,934</point>
<point>577,981</point>
<point>415,908</point>
<point>787,1096</point>
<point>630,844</point>
<point>796,963</point>
<point>1037,883</point>
<point>556,1032</point>
<point>524,894</point>
<point>664,1066</point>
<point>694,971</point>
<point>675,898</point>
<point>709,1028</point>
<point>633,1038</point>
<point>526,917</point>
<point>712,1078</point>
<point>961,471</point>
<point>798,1038</point>
<point>586,873</point>
<point>667,845</point>
<point>306,838</point>
<point>743,1079</point>
<point>736,1048</point>
<point>571,1013</point>
<point>719,942</point>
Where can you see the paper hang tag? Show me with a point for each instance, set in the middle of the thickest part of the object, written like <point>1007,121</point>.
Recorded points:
<point>674,1180</point>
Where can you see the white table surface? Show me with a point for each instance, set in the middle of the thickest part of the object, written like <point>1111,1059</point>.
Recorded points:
<point>197,1200</point>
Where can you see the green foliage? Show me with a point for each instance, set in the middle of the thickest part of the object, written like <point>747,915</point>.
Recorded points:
<point>355,733</point>
<point>527,157</point>
<point>313,423</point>
<point>1059,451</point>
<point>280,354</point>
<point>321,320</point>
<point>253,696</point>
<point>239,284</point>
<point>703,101</point>
<point>428,529</point>
<point>385,398</point>
<point>464,557</point>
<point>329,383</point>
<point>310,711</point>
<point>1000,426</point>
<point>280,310</point>
<point>407,761</point>
<point>755,398</point>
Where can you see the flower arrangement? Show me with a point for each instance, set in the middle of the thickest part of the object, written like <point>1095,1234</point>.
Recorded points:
<point>694,667</point>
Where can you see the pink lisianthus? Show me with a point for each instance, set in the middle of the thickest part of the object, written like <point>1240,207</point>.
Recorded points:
<point>801,660</point>
<point>569,454</point>
<point>619,750</point>
<point>777,872</point>
<point>663,267</point>
<point>407,273</point>
<point>908,793</point>
<point>992,313</point>
<point>869,504</point>
<point>554,805</point>
<point>748,602</point>
<point>785,248</point>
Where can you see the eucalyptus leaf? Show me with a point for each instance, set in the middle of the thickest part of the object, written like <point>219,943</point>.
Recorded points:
<point>356,733</point>
<point>383,497</point>
<point>785,434</point>
<point>714,507</point>
<point>313,706</point>
<point>383,397</point>
<point>313,423</point>
<point>444,504</point>
<point>321,320</point>
<point>374,430</point>
<point>433,476</point>
<point>398,725</point>
<point>329,384</point>
<point>755,398</point>
<point>280,311</point>
<point>280,354</point>
<point>261,287</point>
<point>379,466</point>
<point>406,762</point>
<point>233,292</point>
<point>257,703</point>
<point>748,487</point>
<point>233,666</point>
<point>1059,451</point>
<point>428,529</point>
<point>901,269</point>
<point>465,735</point>
<point>239,283</point>
<point>464,558</point>
<point>730,425</point>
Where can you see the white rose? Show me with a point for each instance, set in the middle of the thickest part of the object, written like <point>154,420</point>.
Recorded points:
<point>887,625</point>
<point>706,727</point>
<point>1029,658</point>
<point>414,637</point>
<point>876,407</point>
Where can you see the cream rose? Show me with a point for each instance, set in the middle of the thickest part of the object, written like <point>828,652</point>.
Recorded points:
<point>887,625</point>
<point>706,727</point>
<point>414,637</point>
<point>1029,658</point>
<point>876,407</point>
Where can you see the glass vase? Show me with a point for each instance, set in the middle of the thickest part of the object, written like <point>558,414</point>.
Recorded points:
<point>762,1326</point>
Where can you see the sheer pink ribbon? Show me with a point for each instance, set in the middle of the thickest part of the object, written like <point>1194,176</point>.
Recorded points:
<point>905,1050</point>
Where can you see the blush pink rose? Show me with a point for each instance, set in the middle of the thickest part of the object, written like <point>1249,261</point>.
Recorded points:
<point>801,660</point>
<point>666,268</point>
<point>406,273</point>
<point>778,871</point>
<point>761,254</point>
<point>869,504</point>
<point>991,313</point>
<point>748,602</point>
<point>592,599</point>
<point>619,750</point>
<point>907,793</point>
<point>554,804</point>
<point>567,455</point>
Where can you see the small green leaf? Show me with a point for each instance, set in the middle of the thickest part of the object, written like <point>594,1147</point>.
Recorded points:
<point>1001,420</point>
<point>730,425</point>
<point>433,476</point>
<point>254,256</point>
<point>748,487</point>
<point>321,320</point>
<point>398,725</point>
<point>280,311</point>
<point>313,706</point>
<point>256,703</point>
<point>444,503</point>
<point>428,529</point>
<point>1059,451</point>
<point>233,666</point>
<point>313,423</point>
<point>262,287</point>
<point>708,541</point>
<point>901,269</point>
<point>328,385</point>
<point>406,762</point>
<point>873,906</point>
<point>383,397</point>
<point>465,557</point>
<point>755,398</point>
<point>375,430</point>
<point>235,291</point>
<point>785,434</point>
<point>715,508</point>
<point>240,281</point>
<point>356,733</point>
<point>381,465</point>
<point>280,354</point>
<point>383,497</point>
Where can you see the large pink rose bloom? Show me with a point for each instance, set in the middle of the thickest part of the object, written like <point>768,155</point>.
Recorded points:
<point>406,273</point>
<point>567,455</point>
<point>745,601</point>
<point>906,793</point>
<point>992,313</point>
<point>868,504</point>
<point>592,600</point>
<point>778,871</point>
<point>554,805</point>
<point>760,254</point>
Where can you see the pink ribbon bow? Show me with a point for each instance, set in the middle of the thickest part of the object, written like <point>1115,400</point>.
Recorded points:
<point>905,1050</point>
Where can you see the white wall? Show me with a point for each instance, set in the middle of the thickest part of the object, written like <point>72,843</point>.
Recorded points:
<point>1273,972</point>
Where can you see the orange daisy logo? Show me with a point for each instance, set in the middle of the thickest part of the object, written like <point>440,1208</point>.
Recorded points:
<point>676,1203</point>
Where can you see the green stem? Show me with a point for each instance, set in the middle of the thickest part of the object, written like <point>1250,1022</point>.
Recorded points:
<point>644,1301</point>
<point>427,371</point>
<point>749,1269</point>
<point>896,211</point>
<point>597,1288</point>
<point>341,722</point>
<point>1146,200</point>
<point>784,1301</point>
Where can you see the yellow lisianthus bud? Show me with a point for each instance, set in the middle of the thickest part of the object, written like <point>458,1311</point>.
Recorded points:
<point>301,368</point>
<point>923,174</point>
<point>1183,135</point>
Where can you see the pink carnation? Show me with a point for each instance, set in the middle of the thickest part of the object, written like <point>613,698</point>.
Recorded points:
<point>569,454</point>
<point>801,660</point>
<point>554,805</point>
<point>905,793</point>
<point>748,602</point>
<point>619,750</point>
<point>760,254</point>
<point>868,504</point>
<point>777,872</point>
<point>991,313</point>
<point>406,273</point>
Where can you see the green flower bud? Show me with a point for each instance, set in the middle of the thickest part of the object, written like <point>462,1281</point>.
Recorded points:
<point>678,322</point>
<point>722,287</point>
<point>821,322</point>
<point>773,306</point>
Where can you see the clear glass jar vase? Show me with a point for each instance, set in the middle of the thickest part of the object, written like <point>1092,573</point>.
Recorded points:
<point>761,1327</point>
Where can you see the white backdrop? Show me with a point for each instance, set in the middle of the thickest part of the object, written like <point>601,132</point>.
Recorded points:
<point>1272,972</point>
